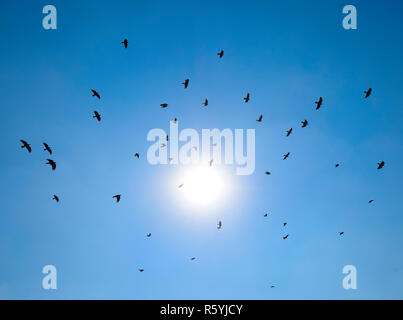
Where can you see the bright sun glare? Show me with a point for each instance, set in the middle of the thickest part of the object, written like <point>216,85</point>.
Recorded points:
<point>203,186</point>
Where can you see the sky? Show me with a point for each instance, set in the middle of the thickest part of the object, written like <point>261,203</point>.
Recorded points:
<point>286,54</point>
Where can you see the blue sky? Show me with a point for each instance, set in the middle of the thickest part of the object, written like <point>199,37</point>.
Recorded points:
<point>286,54</point>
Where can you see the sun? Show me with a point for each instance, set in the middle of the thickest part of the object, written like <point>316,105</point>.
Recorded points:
<point>203,186</point>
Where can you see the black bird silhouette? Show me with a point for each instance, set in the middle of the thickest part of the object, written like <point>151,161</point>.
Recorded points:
<point>164,105</point>
<point>265,215</point>
<point>47,148</point>
<point>381,164</point>
<point>219,225</point>
<point>319,103</point>
<point>149,235</point>
<point>55,197</point>
<point>95,94</point>
<point>304,123</point>
<point>289,132</point>
<point>286,156</point>
<point>141,270</point>
<point>336,165</point>
<point>52,163</point>
<point>117,197</point>
<point>26,145</point>
<point>181,185</point>
<point>272,287</point>
<point>205,103</point>
<point>193,258</point>
<point>137,155</point>
<point>247,98</point>
<point>341,233</point>
<point>285,237</point>
<point>284,224</point>
<point>97,116</point>
<point>220,54</point>
<point>370,201</point>
<point>175,120</point>
<point>260,118</point>
<point>368,92</point>
<point>185,83</point>
<point>125,42</point>
<point>268,173</point>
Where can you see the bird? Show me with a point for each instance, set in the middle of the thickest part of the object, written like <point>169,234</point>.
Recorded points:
<point>265,215</point>
<point>164,105</point>
<point>55,197</point>
<point>219,225</point>
<point>304,123</point>
<point>211,162</point>
<point>26,145</point>
<point>175,120</point>
<point>336,165</point>
<point>368,92</point>
<point>205,103</point>
<point>97,116</point>
<point>181,185</point>
<point>285,237</point>
<point>141,270</point>
<point>149,235</point>
<point>268,173</point>
<point>125,42</point>
<point>193,258</point>
<point>47,148</point>
<point>137,155</point>
<point>167,137</point>
<point>185,83</point>
<point>260,118</point>
<point>284,224</point>
<point>247,98</point>
<point>289,132</point>
<point>95,94</point>
<point>341,233</point>
<point>272,287</point>
<point>381,164</point>
<point>370,201</point>
<point>220,54</point>
<point>319,103</point>
<point>163,145</point>
<point>286,156</point>
<point>52,163</point>
<point>117,197</point>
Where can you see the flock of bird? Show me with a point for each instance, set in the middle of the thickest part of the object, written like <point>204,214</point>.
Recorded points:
<point>185,84</point>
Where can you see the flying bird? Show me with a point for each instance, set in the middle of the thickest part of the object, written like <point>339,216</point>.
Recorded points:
<point>117,197</point>
<point>219,225</point>
<point>260,118</point>
<point>286,156</point>
<point>205,103</point>
<point>284,224</point>
<point>163,145</point>
<point>55,197</point>
<point>304,123</point>
<point>247,98</point>
<point>164,105</point>
<point>285,237</point>
<point>193,258</point>
<point>319,103</point>
<point>52,163</point>
<point>125,42</point>
<point>137,155</point>
<point>47,148</point>
<point>26,145</point>
<point>97,116</point>
<point>95,94</point>
<point>289,132</point>
<point>268,173</point>
<point>148,235</point>
<point>185,83</point>
<point>368,92</point>
<point>336,165</point>
<point>341,233</point>
<point>381,164</point>
<point>370,201</point>
<point>141,270</point>
<point>181,185</point>
<point>272,287</point>
<point>220,54</point>
<point>265,215</point>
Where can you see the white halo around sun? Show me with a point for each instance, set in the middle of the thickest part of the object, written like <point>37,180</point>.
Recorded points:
<point>203,186</point>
